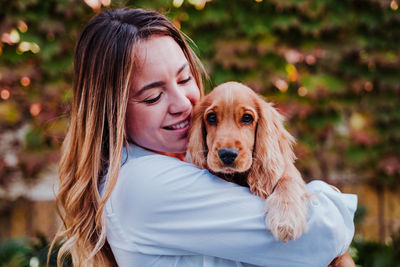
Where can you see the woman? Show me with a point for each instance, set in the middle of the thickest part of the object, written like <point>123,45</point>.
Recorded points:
<point>135,84</point>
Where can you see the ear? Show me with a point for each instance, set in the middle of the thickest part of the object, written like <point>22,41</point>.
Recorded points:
<point>272,150</point>
<point>196,148</point>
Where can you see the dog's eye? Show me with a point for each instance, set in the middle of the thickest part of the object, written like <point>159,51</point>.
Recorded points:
<point>211,118</point>
<point>247,119</point>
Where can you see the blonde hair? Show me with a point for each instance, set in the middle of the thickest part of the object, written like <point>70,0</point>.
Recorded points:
<point>103,65</point>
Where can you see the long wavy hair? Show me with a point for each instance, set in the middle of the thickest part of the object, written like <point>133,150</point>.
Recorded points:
<point>92,149</point>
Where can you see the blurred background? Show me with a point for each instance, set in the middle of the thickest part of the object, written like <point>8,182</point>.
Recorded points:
<point>332,68</point>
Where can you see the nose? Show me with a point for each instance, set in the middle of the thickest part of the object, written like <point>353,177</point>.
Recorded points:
<point>180,102</point>
<point>228,155</point>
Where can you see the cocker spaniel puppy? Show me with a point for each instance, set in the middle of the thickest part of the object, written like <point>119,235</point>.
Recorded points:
<point>241,138</point>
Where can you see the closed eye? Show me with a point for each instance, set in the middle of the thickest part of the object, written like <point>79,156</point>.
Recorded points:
<point>152,100</point>
<point>185,80</point>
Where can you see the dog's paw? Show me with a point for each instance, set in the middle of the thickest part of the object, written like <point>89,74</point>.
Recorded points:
<point>286,219</point>
<point>286,232</point>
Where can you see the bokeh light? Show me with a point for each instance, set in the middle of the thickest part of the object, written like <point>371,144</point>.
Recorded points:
<point>11,37</point>
<point>394,5</point>
<point>310,59</point>
<point>198,4</point>
<point>28,46</point>
<point>302,91</point>
<point>25,81</point>
<point>281,85</point>
<point>293,74</point>
<point>35,109</point>
<point>96,4</point>
<point>22,27</point>
<point>106,2</point>
<point>357,121</point>
<point>177,3</point>
<point>368,86</point>
<point>5,94</point>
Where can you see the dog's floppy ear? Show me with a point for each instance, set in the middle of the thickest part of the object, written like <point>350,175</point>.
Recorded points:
<point>196,148</point>
<point>272,150</point>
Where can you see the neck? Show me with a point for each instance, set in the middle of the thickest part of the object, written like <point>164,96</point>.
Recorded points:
<point>180,156</point>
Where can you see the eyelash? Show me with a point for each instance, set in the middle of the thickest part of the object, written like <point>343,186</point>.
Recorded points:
<point>152,100</point>
<point>186,80</point>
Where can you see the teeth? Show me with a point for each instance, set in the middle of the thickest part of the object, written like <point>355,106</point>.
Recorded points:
<point>180,125</point>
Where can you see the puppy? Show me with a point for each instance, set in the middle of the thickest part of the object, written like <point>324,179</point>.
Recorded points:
<point>241,138</point>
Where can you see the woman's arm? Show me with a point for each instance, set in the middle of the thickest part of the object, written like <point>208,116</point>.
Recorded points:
<point>168,207</point>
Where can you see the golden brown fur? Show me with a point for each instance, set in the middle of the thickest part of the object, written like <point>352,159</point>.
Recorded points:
<point>264,151</point>
<point>264,161</point>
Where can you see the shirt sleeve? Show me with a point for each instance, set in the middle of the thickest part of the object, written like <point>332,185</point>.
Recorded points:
<point>168,207</point>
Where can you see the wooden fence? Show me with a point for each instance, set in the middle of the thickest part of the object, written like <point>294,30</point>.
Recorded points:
<point>28,218</point>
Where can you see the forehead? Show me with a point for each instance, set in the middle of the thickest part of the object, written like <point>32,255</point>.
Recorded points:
<point>157,59</point>
<point>231,96</point>
<point>157,54</point>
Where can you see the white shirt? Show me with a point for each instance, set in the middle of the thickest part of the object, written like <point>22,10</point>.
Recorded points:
<point>165,212</point>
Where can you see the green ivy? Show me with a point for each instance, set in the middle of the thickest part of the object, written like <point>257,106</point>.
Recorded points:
<point>332,67</point>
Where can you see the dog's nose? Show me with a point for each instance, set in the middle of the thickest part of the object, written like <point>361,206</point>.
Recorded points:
<point>228,155</point>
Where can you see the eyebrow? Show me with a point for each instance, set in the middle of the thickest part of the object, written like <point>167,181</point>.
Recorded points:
<point>160,83</point>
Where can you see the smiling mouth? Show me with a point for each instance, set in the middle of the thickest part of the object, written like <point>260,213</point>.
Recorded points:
<point>177,126</point>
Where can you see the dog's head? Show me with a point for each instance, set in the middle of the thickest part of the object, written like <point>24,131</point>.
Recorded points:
<point>235,131</point>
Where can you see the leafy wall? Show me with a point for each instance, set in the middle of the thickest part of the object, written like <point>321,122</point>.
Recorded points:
<point>332,67</point>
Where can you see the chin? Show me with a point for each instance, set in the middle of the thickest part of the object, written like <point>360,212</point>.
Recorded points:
<point>180,147</point>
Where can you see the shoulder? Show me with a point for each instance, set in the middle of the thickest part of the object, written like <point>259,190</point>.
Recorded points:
<point>153,188</point>
<point>151,177</point>
<point>153,180</point>
<point>148,168</point>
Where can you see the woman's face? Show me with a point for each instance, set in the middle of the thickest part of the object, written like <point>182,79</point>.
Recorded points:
<point>162,96</point>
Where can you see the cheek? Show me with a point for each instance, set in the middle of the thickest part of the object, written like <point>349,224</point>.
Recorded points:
<point>194,94</point>
<point>131,121</point>
<point>140,119</point>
